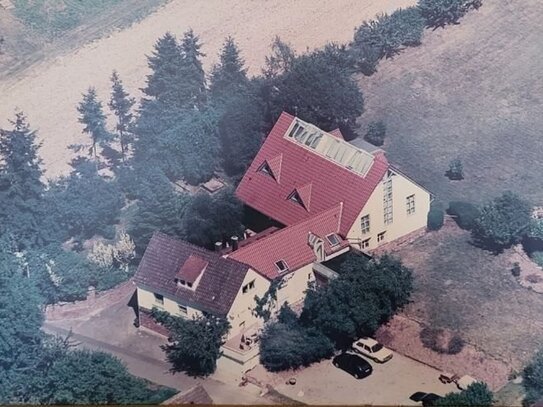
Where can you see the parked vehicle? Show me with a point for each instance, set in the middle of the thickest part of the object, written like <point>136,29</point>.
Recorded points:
<point>353,364</point>
<point>427,399</point>
<point>372,349</point>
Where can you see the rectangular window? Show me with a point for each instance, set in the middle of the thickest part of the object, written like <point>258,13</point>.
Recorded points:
<point>281,266</point>
<point>381,237</point>
<point>247,287</point>
<point>365,224</point>
<point>333,239</point>
<point>387,201</point>
<point>365,244</point>
<point>159,299</point>
<point>182,309</point>
<point>410,204</point>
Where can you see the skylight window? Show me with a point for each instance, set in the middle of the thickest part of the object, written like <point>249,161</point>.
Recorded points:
<point>333,239</point>
<point>325,144</point>
<point>281,266</point>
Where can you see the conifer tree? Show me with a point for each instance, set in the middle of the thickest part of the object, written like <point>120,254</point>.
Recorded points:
<point>121,104</point>
<point>21,187</point>
<point>194,75</point>
<point>94,119</point>
<point>166,64</point>
<point>229,76</point>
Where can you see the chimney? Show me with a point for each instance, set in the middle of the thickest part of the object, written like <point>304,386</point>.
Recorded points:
<point>218,246</point>
<point>234,243</point>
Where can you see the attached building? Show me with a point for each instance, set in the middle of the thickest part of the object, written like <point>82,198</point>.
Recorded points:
<point>330,195</point>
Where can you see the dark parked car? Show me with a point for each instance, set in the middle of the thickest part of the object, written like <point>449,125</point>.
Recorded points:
<point>353,364</point>
<point>427,399</point>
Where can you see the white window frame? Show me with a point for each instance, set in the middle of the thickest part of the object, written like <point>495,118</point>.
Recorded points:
<point>365,225</point>
<point>381,236</point>
<point>182,309</point>
<point>365,243</point>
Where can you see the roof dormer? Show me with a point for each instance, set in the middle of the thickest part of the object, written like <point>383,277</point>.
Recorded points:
<point>190,272</point>
<point>302,196</point>
<point>272,167</point>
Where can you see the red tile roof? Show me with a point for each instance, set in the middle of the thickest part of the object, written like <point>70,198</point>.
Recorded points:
<point>192,268</point>
<point>330,182</point>
<point>218,286</point>
<point>291,244</point>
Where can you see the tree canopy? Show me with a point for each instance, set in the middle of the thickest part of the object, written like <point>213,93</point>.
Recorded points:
<point>364,295</point>
<point>533,379</point>
<point>477,395</point>
<point>502,222</point>
<point>194,344</point>
<point>439,13</point>
<point>229,76</point>
<point>21,188</point>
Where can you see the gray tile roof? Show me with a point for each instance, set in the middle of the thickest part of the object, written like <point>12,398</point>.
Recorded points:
<point>217,288</point>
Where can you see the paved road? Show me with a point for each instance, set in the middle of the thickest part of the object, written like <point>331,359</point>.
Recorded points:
<point>157,371</point>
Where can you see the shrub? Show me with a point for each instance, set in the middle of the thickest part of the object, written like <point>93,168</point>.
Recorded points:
<point>464,213</point>
<point>477,394</point>
<point>537,257</point>
<point>456,170</point>
<point>439,13</point>
<point>438,340</point>
<point>385,37</point>
<point>287,346</point>
<point>516,270</point>
<point>456,344</point>
<point>436,217</point>
<point>502,222</point>
<point>533,379</point>
<point>376,133</point>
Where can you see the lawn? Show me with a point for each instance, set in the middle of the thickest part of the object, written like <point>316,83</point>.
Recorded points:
<point>467,290</point>
<point>473,91</point>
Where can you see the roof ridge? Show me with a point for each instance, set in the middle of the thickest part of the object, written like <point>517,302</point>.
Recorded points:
<point>214,255</point>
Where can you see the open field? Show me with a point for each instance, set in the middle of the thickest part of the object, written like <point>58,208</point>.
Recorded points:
<point>42,29</point>
<point>475,91</point>
<point>467,290</point>
<point>49,92</point>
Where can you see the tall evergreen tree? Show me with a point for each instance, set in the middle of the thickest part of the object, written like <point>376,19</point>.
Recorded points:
<point>166,64</point>
<point>21,189</point>
<point>20,322</point>
<point>228,77</point>
<point>121,104</point>
<point>194,75</point>
<point>94,119</point>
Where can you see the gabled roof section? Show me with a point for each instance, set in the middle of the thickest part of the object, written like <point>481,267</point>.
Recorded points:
<point>272,167</point>
<point>275,166</point>
<point>166,256</point>
<point>290,244</point>
<point>192,268</point>
<point>304,164</point>
<point>305,195</point>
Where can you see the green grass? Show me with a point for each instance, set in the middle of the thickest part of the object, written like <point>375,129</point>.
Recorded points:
<point>53,18</point>
<point>472,292</point>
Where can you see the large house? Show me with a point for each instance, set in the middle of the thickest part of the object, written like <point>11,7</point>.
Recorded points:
<point>329,196</point>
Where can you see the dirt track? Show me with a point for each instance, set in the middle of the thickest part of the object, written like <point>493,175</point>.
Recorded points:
<point>49,91</point>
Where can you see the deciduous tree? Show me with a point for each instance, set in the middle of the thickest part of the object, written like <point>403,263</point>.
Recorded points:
<point>502,222</point>
<point>364,296</point>
<point>194,344</point>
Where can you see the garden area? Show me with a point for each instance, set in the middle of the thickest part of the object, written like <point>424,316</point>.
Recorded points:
<point>484,303</point>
